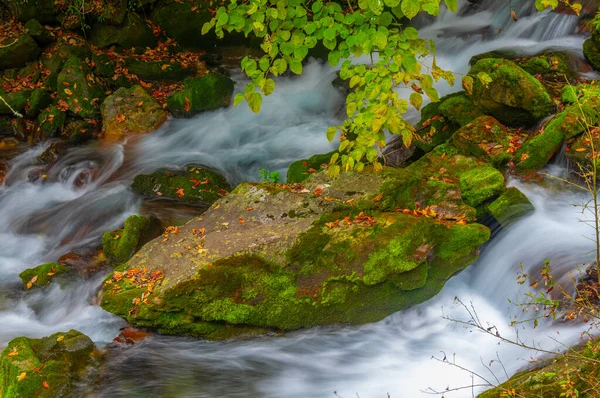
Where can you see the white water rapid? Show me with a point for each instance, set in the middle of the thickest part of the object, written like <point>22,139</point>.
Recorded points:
<point>41,221</point>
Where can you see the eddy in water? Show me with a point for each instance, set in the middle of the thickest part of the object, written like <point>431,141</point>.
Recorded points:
<point>156,240</point>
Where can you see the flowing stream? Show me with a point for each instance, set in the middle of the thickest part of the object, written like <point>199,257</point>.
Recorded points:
<point>87,193</point>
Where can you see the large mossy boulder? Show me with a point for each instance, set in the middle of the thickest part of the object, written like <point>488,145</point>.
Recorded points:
<point>39,99</point>
<point>269,257</point>
<point>134,32</point>
<point>591,49</point>
<point>510,207</point>
<point>578,370</point>
<point>130,111</point>
<point>489,140</point>
<point>158,71</point>
<point>60,365</point>
<point>194,184</point>
<point>16,52</point>
<point>55,56</point>
<point>43,10</point>
<point>513,96</point>
<point>200,94</point>
<point>78,88</point>
<point>539,148</point>
<point>121,244</point>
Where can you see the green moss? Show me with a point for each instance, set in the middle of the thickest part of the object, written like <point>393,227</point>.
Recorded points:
<point>44,274</point>
<point>103,65</point>
<point>510,206</point>
<point>197,184</point>
<point>298,171</point>
<point>481,184</point>
<point>200,94</point>
<point>158,71</point>
<point>591,51</point>
<point>513,96</point>
<point>82,94</point>
<point>539,148</point>
<point>39,33</point>
<point>459,109</point>
<point>358,274</point>
<point>61,360</point>
<point>486,139</point>
<point>15,54</point>
<point>16,99</point>
<point>549,378</point>
<point>130,111</point>
<point>39,99</point>
<point>120,245</point>
<point>134,32</point>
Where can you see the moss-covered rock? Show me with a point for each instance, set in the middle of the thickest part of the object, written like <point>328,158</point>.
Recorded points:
<point>79,89</point>
<point>39,99</point>
<point>130,111</point>
<point>184,26</point>
<point>192,184</point>
<point>591,51</point>
<point>513,96</point>
<point>199,94</point>
<point>268,258</point>
<point>551,378</point>
<point>16,52</point>
<point>41,275</point>
<point>158,71</point>
<point>540,147</point>
<point>551,65</point>
<point>120,245</point>
<point>440,120</point>
<point>103,65</point>
<point>55,56</point>
<point>301,169</point>
<point>459,109</point>
<point>17,100</point>
<point>454,184</point>
<point>60,365</point>
<point>510,206</point>
<point>43,10</point>
<point>38,32</point>
<point>488,140</point>
<point>584,150</point>
<point>134,32</point>
<point>480,184</point>
<point>50,122</point>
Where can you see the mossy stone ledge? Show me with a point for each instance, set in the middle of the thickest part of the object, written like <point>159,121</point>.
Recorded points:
<point>269,257</point>
<point>42,275</point>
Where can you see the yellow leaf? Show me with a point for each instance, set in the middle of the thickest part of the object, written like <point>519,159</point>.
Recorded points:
<point>60,338</point>
<point>22,376</point>
<point>579,149</point>
<point>13,353</point>
<point>68,92</point>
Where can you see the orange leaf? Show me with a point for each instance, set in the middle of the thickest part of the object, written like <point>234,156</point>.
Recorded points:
<point>13,353</point>
<point>579,149</point>
<point>68,92</point>
<point>249,208</point>
<point>187,104</point>
<point>45,384</point>
<point>180,193</point>
<point>524,157</point>
<point>241,220</point>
